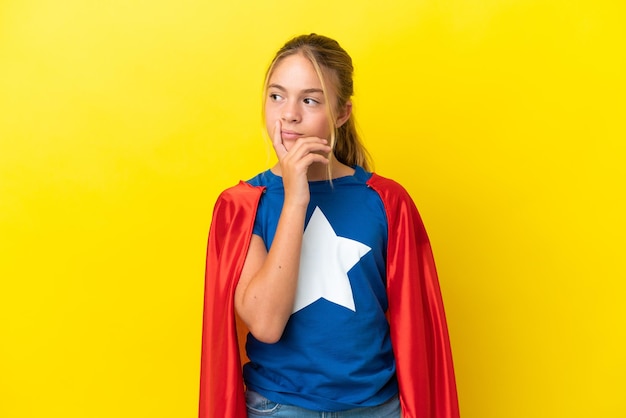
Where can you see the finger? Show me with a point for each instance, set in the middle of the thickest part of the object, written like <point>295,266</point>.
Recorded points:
<point>277,141</point>
<point>312,158</point>
<point>309,145</point>
<point>303,157</point>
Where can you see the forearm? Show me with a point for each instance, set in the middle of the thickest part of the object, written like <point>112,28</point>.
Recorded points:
<point>266,299</point>
<point>266,292</point>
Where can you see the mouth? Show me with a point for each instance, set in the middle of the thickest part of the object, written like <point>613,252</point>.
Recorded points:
<point>290,135</point>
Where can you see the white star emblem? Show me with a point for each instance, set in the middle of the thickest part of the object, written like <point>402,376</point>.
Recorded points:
<point>325,260</point>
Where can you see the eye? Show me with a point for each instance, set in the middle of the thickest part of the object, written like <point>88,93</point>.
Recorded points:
<point>275,97</point>
<point>310,101</point>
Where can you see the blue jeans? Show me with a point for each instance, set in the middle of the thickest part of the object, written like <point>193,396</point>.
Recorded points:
<point>259,406</point>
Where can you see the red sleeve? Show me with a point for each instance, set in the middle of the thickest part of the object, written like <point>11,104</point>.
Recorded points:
<point>419,333</point>
<point>221,382</point>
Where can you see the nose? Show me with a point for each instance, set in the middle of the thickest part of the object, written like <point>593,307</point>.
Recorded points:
<point>290,113</point>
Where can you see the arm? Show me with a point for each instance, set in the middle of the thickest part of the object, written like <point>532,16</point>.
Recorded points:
<point>266,291</point>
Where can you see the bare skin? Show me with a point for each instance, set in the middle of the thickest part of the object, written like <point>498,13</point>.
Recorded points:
<point>266,291</point>
<point>296,118</point>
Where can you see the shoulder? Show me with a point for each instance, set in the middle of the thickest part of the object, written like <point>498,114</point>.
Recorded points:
<point>241,190</point>
<point>402,213</point>
<point>265,179</point>
<point>243,196</point>
<point>388,189</point>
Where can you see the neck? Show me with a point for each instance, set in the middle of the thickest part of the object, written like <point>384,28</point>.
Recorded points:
<point>319,171</point>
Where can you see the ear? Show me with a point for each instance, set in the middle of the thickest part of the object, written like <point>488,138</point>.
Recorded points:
<point>344,114</point>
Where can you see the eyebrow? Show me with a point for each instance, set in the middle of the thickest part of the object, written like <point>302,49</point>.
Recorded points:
<point>306,91</point>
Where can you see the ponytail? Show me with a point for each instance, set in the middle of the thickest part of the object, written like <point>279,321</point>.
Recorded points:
<point>349,149</point>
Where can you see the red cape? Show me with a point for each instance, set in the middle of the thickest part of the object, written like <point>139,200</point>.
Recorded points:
<point>419,333</point>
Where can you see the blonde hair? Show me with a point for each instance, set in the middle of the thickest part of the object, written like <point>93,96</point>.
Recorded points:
<point>327,56</point>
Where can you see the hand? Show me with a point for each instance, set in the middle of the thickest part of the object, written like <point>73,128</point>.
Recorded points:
<point>295,162</point>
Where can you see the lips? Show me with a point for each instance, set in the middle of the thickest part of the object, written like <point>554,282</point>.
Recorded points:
<point>285,134</point>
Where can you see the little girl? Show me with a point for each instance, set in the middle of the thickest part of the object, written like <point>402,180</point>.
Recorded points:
<point>323,267</point>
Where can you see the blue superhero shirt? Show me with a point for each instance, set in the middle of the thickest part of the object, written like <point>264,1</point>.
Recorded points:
<point>335,353</point>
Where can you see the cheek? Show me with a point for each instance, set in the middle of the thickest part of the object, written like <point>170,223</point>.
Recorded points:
<point>322,126</point>
<point>270,120</point>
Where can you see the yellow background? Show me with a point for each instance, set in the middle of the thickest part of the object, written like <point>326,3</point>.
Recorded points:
<point>120,122</point>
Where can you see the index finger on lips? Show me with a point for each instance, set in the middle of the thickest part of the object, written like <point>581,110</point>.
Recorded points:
<point>277,140</point>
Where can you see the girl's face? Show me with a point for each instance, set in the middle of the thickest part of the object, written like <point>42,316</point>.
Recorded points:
<point>295,97</point>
